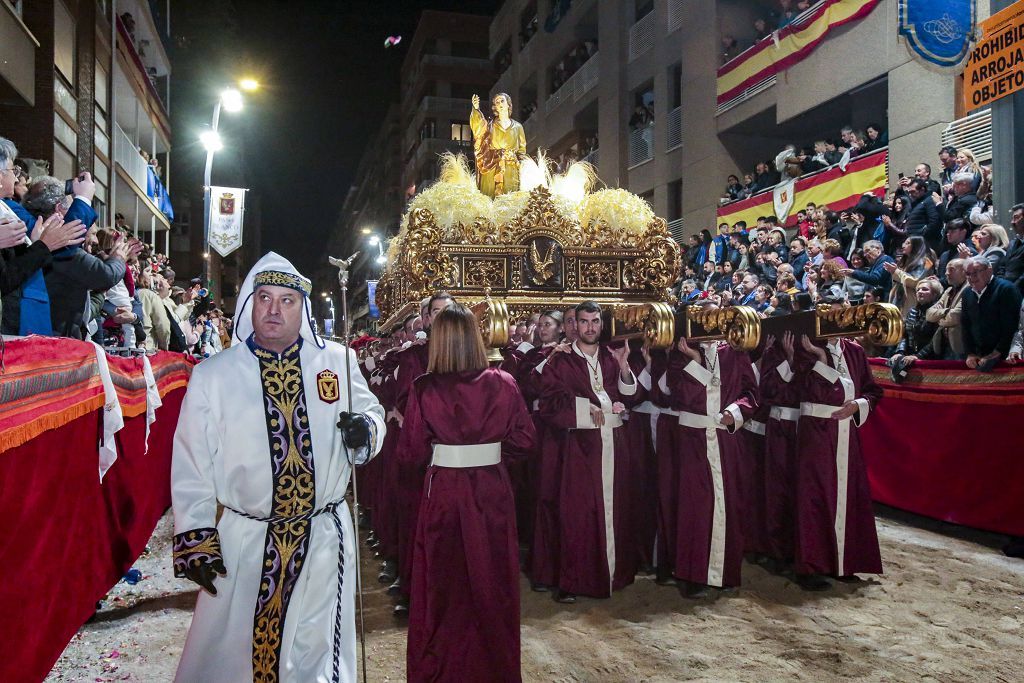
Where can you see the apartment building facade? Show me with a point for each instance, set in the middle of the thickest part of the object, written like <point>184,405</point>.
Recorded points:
<point>84,85</point>
<point>447,63</point>
<point>665,55</point>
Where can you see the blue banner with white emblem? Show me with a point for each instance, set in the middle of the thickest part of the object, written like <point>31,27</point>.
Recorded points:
<point>371,293</point>
<point>939,32</point>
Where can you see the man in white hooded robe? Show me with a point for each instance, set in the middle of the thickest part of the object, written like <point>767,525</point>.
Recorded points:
<point>260,468</point>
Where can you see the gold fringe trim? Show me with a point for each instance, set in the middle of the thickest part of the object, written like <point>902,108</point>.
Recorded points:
<point>16,436</point>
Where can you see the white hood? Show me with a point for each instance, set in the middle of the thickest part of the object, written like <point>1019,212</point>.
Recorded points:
<point>274,266</point>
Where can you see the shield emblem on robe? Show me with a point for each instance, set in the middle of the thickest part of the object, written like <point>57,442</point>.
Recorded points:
<point>327,386</point>
<point>938,32</point>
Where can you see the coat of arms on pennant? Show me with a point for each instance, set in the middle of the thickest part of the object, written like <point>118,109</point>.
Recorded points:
<point>227,204</point>
<point>939,32</point>
<point>327,386</point>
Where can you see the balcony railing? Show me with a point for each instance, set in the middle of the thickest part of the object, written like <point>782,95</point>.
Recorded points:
<point>594,158</point>
<point>675,228</point>
<point>676,13</point>
<point>641,145</point>
<point>641,36</point>
<point>129,46</point>
<point>444,104</point>
<point>746,94</point>
<point>126,155</point>
<point>973,132</point>
<point>576,86</point>
<point>674,129</point>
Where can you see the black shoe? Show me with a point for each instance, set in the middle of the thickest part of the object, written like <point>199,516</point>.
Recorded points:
<point>540,588</point>
<point>388,572</point>
<point>647,570</point>
<point>813,582</point>
<point>395,588</point>
<point>849,578</point>
<point>694,591</point>
<point>565,597</point>
<point>759,559</point>
<point>401,609</point>
<point>663,577</point>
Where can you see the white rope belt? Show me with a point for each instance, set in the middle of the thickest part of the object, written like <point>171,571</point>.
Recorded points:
<point>469,455</point>
<point>784,413</point>
<point>755,426</point>
<point>698,421</point>
<point>819,410</point>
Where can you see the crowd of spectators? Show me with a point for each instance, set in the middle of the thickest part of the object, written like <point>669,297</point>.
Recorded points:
<point>794,161</point>
<point>933,248</point>
<point>62,275</point>
<point>575,58</point>
<point>781,15</point>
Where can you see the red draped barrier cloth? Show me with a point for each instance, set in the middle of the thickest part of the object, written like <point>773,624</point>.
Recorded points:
<point>65,538</point>
<point>946,443</point>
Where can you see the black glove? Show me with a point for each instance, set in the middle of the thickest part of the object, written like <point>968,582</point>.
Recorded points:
<point>355,429</point>
<point>203,573</point>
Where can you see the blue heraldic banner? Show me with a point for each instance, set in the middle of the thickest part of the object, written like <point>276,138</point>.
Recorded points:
<point>939,32</point>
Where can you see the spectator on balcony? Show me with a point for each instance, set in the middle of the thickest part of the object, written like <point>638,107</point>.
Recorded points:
<point>984,211</point>
<point>761,30</point>
<point>689,292</point>
<point>923,172</point>
<point>991,242</point>
<point>990,315</point>
<point>967,163</point>
<point>947,160</point>
<point>957,233</point>
<point>709,276</point>
<point>1014,263</point>
<point>924,218</point>
<point>20,180</point>
<point>766,177</point>
<point>948,340</point>
<point>787,12</point>
<point>918,330</point>
<point>875,138</point>
<point>733,188</point>
<point>705,249</point>
<point>915,262</point>
<point>730,48</point>
<point>643,116</point>
<point>798,256</point>
<point>962,199</point>
<point>874,273</point>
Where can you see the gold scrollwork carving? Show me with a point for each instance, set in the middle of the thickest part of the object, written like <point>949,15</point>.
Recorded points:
<point>739,326</point>
<point>492,315</point>
<point>427,267</point>
<point>881,323</point>
<point>658,268</point>
<point>484,273</point>
<point>599,275</point>
<point>656,320</point>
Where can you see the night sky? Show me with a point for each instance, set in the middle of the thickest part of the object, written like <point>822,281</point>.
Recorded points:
<point>326,81</point>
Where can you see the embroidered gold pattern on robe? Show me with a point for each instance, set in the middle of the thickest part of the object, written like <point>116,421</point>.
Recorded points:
<point>286,544</point>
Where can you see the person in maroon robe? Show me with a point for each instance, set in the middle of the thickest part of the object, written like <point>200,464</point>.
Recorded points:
<point>641,428</point>
<point>463,422</point>
<point>836,533</point>
<point>385,516</point>
<point>539,505</point>
<point>713,391</point>
<point>584,390</point>
<point>408,478</point>
<point>780,466</point>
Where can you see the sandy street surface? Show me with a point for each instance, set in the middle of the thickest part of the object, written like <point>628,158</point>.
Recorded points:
<point>949,608</point>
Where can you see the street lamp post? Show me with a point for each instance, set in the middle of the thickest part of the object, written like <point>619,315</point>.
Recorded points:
<point>231,100</point>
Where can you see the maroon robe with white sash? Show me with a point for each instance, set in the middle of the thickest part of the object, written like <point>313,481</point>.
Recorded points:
<point>708,544</point>
<point>835,522</point>
<point>780,467</point>
<point>464,608</point>
<point>596,553</point>
<point>640,428</point>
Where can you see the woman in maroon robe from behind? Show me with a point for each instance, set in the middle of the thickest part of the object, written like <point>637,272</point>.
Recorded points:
<point>463,419</point>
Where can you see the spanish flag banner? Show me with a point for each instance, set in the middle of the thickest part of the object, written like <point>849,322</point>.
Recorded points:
<point>787,46</point>
<point>831,187</point>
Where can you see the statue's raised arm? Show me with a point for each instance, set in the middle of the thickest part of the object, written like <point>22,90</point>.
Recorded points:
<point>499,144</point>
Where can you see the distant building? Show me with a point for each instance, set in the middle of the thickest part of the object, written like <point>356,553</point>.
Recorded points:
<point>81,89</point>
<point>446,65</point>
<point>577,71</point>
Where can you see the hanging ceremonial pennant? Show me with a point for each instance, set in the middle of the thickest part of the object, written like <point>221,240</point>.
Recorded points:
<point>939,32</point>
<point>227,211</point>
<point>783,197</point>
<point>371,292</point>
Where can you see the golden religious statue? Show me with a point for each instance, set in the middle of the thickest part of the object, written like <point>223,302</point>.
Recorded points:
<point>498,144</point>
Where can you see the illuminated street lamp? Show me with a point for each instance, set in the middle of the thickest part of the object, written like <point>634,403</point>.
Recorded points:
<point>231,100</point>
<point>249,84</point>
